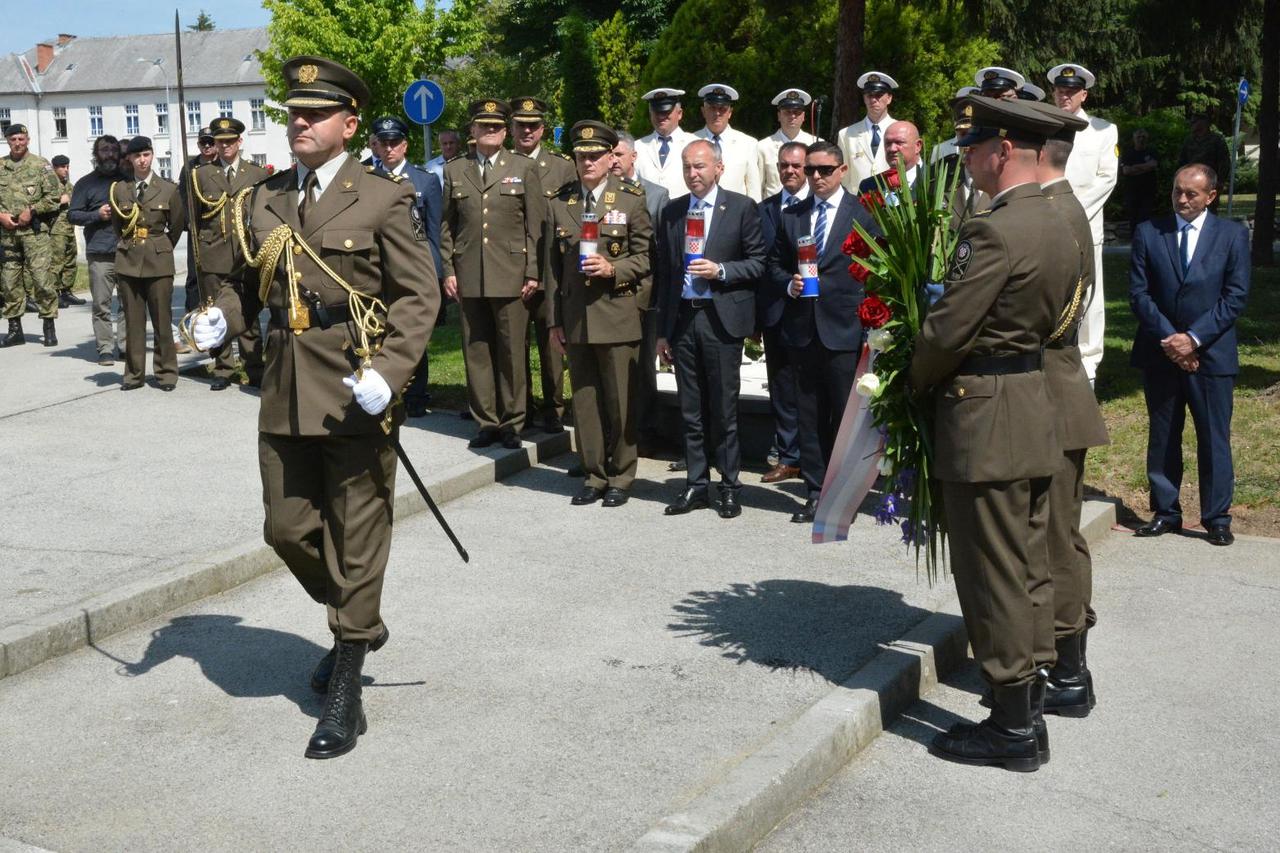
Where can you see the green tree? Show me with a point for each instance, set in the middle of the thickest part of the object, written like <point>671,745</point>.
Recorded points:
<point>580,95</point>
<point>203,23</point>
<point>617,56</point>
<point>389,43</point>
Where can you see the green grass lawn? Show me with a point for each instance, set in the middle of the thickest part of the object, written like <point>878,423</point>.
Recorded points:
<point>1120,469</point>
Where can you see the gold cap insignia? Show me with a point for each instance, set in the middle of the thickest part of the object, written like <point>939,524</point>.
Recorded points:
<point>1068,72</point>
<point>587,132</point>
<point>874,78</point>
<point>990,75</point>
<point>793,94</point>
<point>717,91</point>
<point>490,107</point>
<point>527,105</point>
<point>307,74</point>
<point>968,111</point>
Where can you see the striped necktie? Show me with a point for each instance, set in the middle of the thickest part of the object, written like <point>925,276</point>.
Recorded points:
<point>820,228</point>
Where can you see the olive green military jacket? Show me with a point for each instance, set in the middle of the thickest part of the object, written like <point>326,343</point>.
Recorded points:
<point>217,252</point>
<point>29,183</point>
<point>147,252</point>
<point>1011,274</point>
<point>599,310</point>
<point>491,228</point>
<point>59,221</point>
<point>554,170</point>
<point>365,227</point>
<point>1080,423</point>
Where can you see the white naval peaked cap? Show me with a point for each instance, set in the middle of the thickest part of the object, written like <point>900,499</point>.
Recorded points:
<point>718,92</point>
<point>877,80</point>
<point>1033,90</point>
<point>661,93</point>
<point>1071,74</point>
<point>792,99</point>
<point>995,77</point>
<point>966,91</point>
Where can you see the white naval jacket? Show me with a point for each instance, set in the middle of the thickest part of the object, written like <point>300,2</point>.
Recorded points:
<point>648,166</point>
<point>1093,167</point>
<point>855,144</point>
<point>738,153</point>
<point>767,159</point>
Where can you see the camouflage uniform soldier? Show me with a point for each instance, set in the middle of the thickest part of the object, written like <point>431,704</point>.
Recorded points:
<point>29,190</point>
<point>62,239</point>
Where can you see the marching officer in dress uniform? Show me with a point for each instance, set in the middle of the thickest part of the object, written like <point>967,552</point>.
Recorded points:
<point>494,210</point>
<point>555,170</point>
<point>29,191</point>
<point>597,302</point>
<point>737,149</point>
<point>336,251</point>
<point>149,218</point>
<point>212,185</point>
<point>658,154</point>
<point>62,238</point>
<point>996,447</point>
<point>862,143</point>
<point>791,104</point>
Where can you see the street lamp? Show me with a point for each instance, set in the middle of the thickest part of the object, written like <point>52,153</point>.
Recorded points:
<point>175,161</point>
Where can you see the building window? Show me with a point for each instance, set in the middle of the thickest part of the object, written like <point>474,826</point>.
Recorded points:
<point>259,159</point>
<point>131,124</point>
<point>224,108</point>
<point>95,122</point>
<point>258,113</point>
<point>162,163</point>
<point>5,119</point>
<point>59,122</point>
<point>193,118</point>
<point>162,119</point>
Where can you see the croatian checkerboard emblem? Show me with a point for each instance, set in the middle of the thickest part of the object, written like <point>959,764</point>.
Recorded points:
<point>964,254</point>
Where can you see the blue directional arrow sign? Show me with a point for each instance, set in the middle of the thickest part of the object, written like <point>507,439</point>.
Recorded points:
<point>1244,91</point>
<point>423,102</point>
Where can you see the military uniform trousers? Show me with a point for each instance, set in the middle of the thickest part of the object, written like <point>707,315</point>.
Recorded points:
<point>999,559</point>
<point>329,502</point>
<point>550,363</point>
<point>62,261</point>
<point>139,298</point>
<point>494,332</point>
<point>250,342</point>
<point>605,379</point>
<point>27,254</point>
<point>1070,563</point>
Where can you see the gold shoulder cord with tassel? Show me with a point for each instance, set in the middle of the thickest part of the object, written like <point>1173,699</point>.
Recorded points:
<point>130,217</point>
<point>215,206</point>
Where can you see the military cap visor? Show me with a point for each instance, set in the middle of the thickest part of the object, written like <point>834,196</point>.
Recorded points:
<point>318,83</point>
<point>489,111</point>
<point>390,127</point>
<point>877,81</point>
<point>225,127</point>
<point>993,78</point>
<point>718,93</point>
<point>1030,92</point>
<point>590,136</point>
<point>1072,76</point>
<point>528,108</point>
<point>662,100</point>
<point>792,99</point>
<point>205,134</point>
<point>979,118</point>
<point>1071,123</point>
<point>14,130</point>
<point>138,144</point>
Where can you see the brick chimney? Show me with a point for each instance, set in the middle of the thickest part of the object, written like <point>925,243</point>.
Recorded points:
<point>64,38</point>
<point>44,56</point>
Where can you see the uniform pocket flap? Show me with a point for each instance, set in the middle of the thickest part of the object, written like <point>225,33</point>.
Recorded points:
<point>347,241</point>
<point>968,387</point>
<point>518,247</point>
<point>511,189</point>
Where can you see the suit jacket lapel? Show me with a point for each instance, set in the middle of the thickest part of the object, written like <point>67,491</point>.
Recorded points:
<point>1171,243</point>
<point>497,170</point>
<point>1204,245</point>
<point>840,227</point>
<point>717,220</point>
<point>284,202</point>
<point>337,197</point>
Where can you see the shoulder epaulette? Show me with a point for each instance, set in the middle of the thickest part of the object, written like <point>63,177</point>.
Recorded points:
<point>629,187</point>
<point>374,170</point>
<point>567,189</point>
<point>561,155</point>
<point>458,156</point>
<point>520,154</point>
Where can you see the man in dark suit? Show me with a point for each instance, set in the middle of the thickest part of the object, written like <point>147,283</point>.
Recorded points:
<point>1188,281</point>
<point>390,146</point>
<point>822,332</point>
<point>706,307</point>
<point>902,139</point>
<point>769,304</point>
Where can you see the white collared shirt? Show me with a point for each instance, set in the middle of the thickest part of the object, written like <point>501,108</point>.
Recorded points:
<point>701,287</point>
<point>1190,232</point>
<point>836,198</point>
<point>595,193</point>
<point>799,197</point>
<point>324,175</point>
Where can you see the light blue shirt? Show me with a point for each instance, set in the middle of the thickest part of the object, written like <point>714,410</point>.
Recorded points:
<point>700,288</point>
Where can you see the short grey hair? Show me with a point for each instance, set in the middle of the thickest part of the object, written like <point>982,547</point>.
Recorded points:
<point>626,139</point>
<point>711,146</point>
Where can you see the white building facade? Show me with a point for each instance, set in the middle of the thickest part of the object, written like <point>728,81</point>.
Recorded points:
<point>70,91</point>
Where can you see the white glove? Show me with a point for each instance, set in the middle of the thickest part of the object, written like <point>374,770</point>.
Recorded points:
<point>371,391</point>
<point>209,329</point>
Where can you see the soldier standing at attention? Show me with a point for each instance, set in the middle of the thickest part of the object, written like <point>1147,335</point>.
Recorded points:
<point>214,184</point>
<point>597,302</point>
<point>1014,269</point>
<point>148,219</point>
<point>29,191</point>
<point>493,214</point>
<point>658,153</point>
<point>62,238</point>
<point>336,251</point>
<point>862,143</point>
<point>791,105</point>
<point>737,149</point>
<point>555,171</point>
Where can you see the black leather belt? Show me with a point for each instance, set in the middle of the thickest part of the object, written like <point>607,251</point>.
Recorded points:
<point>323,316</point>
<point>696,304</point>
<point>1000,365</point>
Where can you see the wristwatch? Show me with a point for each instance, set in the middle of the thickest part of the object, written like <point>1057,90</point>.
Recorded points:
<point>720,272</point>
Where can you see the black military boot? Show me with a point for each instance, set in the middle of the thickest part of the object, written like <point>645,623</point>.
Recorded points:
<point>1006,738</point>
<point>15,336</point>
<point>1068,690</point>
<point>324,670</point>
<point>342,720</point>
<point>1084,661</point>
<point>1037,715</point>
<point>50,334</point>
<point>66,299</point>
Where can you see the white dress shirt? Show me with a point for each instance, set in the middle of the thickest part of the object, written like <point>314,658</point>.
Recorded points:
<point>799,197</point>
<point>855,144</point>
<point>834,204</point>
<point>738,154</point>
<point>1189,232</point>
<point>669,175</point>
<point>324,175</point>
<point>700,288</point>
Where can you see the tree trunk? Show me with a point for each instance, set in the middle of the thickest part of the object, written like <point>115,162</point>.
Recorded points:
<point>849,57</point>
<point>1268,137</point>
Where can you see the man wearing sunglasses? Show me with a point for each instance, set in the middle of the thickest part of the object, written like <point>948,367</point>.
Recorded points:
<point>208,153</point>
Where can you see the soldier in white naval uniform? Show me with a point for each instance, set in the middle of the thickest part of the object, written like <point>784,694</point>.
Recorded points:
<point>996,82</point>
<point>862,142</point>
<point>737,149</point>
<point>1092,170</point>
<point>791,104</point>
<point>653,163</point>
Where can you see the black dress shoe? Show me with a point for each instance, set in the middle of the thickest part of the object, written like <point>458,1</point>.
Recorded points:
<point>613,496</point>
<point>324,669</point>
<point>220,383</point>
<point>1158,527</point>
<point>805,514</point>
<point>131,386</point>
<point>1220,534</point>
<point>68,298</point>
<point>552,424</point>
<point>417,409</point>
<point>484,438</point>
<point>1007,738</point>
<point>342,721</point>
<point>689,500</point>
<point>678,465</point>
<point>510,440</point>
<point>167,386</point>
<point>729,506</point>
<point>588,495</point>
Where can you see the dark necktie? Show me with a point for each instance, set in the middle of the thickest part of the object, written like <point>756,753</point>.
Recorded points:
<point>589,202</point>
<point>664,149</point>
<point>142,187</point>
<point>1184,246</point>
<point>231,173</point>
<point>820,229</point>
<point>484,169</point>
<point>875,139</point>
<point>309,187</point>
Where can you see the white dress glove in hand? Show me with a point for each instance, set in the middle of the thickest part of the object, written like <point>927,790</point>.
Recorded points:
<point>371,391</point>
<point>209,329</point>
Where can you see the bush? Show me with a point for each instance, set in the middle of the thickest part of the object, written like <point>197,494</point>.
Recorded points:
<point>1167,128</point>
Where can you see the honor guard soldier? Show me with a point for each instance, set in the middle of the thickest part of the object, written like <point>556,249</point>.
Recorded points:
<point>737,149</point>
<point>335,250</point>
<point>996,82</point>
<point>555,170</point>
<point>791,104</point>
<point>862,143</point>
<point>62,238</point>
<point>598,288</point>
<point>493,214</point>
<point>658,154</point>
<point>213,185</point>
<point>29,191</point>
<point>979,351</point>
<point>149,218</point>
<point>1092,170</point>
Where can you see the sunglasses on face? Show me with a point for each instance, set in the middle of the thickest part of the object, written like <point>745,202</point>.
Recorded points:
<point>824,171</point>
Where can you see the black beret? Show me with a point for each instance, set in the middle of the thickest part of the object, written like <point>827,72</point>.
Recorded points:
<point>139,144</point>
<point>60,160</point>
<point>14,129</point>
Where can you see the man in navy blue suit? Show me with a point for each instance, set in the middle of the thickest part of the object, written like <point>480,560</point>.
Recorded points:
<point>822,332</point>
<point>1188,281</point>
<point>389,144</point>
<point>770,301</point>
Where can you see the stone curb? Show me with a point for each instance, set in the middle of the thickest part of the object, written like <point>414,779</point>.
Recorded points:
<point>28,643</point>
<point>740,809</point>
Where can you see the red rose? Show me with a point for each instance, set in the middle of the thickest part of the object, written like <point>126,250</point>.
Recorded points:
<point>873,313</point>
<point>872,200</point>
<point>859,272</point>
<point>893,179</point>
<point>855,246</point>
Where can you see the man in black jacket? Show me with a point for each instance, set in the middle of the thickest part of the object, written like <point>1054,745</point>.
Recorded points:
<point>91,209</point>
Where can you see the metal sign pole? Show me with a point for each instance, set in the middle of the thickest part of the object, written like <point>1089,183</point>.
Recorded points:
<point>1242,94</point>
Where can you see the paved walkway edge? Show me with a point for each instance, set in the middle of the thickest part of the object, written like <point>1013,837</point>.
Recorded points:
<point>735,813</point>
<point>32,642</point>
